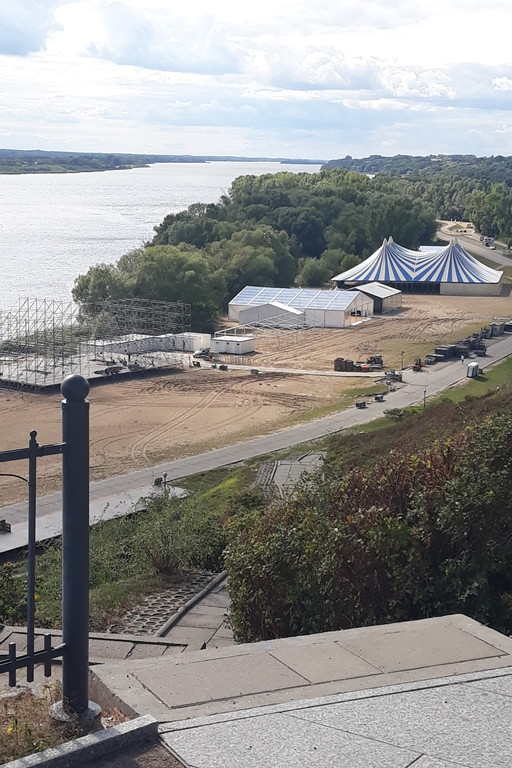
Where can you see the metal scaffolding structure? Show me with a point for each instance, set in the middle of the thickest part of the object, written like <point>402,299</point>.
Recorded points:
<point>43,341</point>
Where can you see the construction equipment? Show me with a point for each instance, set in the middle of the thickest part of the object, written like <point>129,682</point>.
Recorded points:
<point>373,363</point>
<point>418,364</point>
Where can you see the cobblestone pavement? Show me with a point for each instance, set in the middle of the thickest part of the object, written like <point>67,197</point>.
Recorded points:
<point>147,617</point>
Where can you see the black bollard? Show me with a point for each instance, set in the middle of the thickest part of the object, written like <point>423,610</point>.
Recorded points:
<point>75,552</point>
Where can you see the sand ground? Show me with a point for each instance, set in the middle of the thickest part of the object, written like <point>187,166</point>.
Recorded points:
<point>145,421</point>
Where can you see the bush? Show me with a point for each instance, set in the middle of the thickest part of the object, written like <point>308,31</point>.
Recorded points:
<point>13,596</point>
<point>411,537</point>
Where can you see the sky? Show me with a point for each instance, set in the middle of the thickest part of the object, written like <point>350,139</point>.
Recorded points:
<point>274,78</point>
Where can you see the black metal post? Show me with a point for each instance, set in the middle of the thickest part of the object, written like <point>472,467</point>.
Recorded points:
<point>31,552</point>
<point>75,545</point>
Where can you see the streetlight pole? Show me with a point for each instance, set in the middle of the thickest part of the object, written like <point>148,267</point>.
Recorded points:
<point>402,356</point>
<point>424,399</point>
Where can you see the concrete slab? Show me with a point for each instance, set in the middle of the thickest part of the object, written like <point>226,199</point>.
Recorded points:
<point>406,646</point>
<point>224,631</point>
<point>175,650</point>
<point>282,741</point>
<point>216,599</point>
<point>146,651</point>
<point>109,649</point>
<point>324,662</point>
<point>199,619</point>
<point>220,642</point>
<point>20,638</point>
<point>212,610</point>
<point>217,679</point>
<point>315,659</point>
<point>193,637</point>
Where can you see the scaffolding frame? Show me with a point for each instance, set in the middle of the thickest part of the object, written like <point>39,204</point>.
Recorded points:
<point>43,341</point>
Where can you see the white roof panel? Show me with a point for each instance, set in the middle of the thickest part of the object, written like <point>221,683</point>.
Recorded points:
<point>378,289</point>
<point>298,298</point>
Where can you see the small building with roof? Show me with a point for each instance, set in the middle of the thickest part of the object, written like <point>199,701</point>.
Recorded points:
<point>385,298</point>
<point>449,270</point>
<point>299,307</point>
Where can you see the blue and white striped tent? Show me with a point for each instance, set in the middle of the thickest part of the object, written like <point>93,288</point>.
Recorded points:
<point>445,267</point>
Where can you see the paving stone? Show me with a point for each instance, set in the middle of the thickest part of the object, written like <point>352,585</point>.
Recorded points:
<point>281,740</point>
<point>429,762</point>
<point>466,725</point>
<point>501,685</point>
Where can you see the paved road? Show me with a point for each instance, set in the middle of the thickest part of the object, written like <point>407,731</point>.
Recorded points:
<point>473,244</point>
<point>114,496</point>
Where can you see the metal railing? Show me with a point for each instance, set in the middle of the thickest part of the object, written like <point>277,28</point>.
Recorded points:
<point>74,648</point>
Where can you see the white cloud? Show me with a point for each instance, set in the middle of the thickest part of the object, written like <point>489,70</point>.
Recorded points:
<point>25,25</point>
<point>303,77</point>
<point>502,83</point>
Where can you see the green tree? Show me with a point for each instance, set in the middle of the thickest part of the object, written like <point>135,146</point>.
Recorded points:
<point>314,273</point>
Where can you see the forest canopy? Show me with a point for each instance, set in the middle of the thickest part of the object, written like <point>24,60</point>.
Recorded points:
<point>277,229</point>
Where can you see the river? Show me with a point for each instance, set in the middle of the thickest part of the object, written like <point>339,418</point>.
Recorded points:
<point>53,227</point>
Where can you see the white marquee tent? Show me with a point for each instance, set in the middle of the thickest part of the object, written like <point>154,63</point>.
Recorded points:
<point>298,307</point>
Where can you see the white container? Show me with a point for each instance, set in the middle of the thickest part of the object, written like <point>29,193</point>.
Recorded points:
<point>233,345</point>
<point>472,371</point>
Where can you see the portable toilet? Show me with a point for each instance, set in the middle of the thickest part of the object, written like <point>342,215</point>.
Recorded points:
<point>472,371</point>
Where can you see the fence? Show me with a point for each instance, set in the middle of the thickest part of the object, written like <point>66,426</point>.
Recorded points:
<point>74,648</point>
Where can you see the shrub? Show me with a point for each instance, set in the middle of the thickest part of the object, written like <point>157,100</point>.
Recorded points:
<point>13,596</point>
<point>413,536</point>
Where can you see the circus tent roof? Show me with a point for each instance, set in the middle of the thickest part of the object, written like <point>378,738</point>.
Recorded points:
<point>392,263</point>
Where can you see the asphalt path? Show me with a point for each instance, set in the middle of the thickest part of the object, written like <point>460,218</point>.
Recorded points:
<point>115,496</point>
<point>472,243</point>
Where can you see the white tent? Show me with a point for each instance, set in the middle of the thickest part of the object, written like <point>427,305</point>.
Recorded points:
<point>319,308</point>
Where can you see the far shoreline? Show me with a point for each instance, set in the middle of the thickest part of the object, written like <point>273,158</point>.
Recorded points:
<point>14,162</point>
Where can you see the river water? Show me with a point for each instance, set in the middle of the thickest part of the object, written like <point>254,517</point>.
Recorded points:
<point>53,227</point>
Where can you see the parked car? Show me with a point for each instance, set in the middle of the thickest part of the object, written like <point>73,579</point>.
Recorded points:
<point>202,353</point>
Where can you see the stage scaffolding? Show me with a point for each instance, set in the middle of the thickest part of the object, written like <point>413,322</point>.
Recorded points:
<point>43,341</point>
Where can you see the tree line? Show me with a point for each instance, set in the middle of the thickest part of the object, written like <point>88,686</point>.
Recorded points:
<point>277,229</point>
<point>461,187</point>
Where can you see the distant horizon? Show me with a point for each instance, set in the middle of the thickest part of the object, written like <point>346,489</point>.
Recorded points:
<point>242,158</point>
<point>198,156</point>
